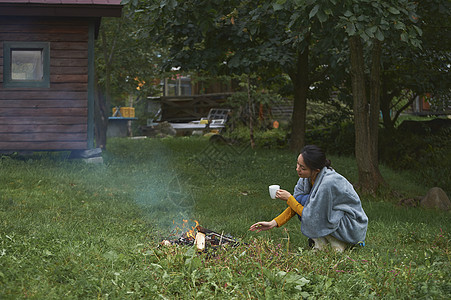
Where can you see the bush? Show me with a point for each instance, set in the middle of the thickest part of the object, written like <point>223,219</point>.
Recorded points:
<point>425,153</point>
<point>338,139</point>
<point>270,139</point>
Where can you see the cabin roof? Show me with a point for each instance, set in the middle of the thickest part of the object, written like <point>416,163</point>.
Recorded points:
<point>81,2</point>
<point>61,8</point>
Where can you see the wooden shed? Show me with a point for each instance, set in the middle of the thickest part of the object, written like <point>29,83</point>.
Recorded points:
<point>47,72</point>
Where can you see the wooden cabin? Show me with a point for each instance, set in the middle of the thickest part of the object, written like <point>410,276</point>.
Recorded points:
<point>47,72</point>
<point>183,100</point>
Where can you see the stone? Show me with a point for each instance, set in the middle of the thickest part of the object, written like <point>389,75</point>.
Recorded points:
<point>93,160</point>
<point>436,198</point>
<point>86,153</point>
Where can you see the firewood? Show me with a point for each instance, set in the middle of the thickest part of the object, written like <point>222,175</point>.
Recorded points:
<point>166,243</point>
<point>221,236</point>
<point>200,241</point>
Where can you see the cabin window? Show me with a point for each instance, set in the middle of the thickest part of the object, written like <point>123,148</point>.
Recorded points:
<point>180,86</point>
<point>26,65</point>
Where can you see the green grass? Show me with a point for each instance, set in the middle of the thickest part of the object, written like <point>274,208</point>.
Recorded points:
<point>71,230</point>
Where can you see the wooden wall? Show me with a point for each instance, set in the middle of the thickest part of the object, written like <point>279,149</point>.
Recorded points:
<point>54,118</point>
<point>189,108</point>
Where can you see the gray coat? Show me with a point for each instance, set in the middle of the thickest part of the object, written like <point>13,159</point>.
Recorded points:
<point>332,208</point>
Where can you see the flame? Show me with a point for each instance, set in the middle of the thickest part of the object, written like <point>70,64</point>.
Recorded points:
<point>191,233</point>
<point>187,233</point>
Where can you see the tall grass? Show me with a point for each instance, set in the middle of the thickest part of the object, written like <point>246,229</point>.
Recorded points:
<point>74,230</point>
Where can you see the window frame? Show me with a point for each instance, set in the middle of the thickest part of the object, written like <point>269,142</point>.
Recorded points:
<point>182,86</point>
<point>8,47</point>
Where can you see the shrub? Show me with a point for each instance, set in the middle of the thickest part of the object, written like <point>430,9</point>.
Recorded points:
<point>338,139</point>
<point>271,138</point>
<point>424,152</point>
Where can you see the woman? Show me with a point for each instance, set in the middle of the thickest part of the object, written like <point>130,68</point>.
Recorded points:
<point>326,203</point>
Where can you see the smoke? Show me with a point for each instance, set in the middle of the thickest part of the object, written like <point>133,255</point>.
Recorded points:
<point>168,197</point>
<point>165,196</point>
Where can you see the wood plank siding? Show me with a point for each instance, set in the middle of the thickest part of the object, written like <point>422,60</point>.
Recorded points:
<point>54,118</point>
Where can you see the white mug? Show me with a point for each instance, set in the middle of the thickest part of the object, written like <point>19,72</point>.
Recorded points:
<point>273,189</point>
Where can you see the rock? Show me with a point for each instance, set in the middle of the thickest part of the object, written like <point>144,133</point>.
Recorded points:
<point>87,153</point>
<point>93,160</point>
<point>436,198</point>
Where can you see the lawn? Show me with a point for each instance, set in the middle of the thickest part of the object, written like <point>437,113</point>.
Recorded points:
<point>74,230</point>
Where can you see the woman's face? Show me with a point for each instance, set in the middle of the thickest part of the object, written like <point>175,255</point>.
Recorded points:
<point>303,170</point>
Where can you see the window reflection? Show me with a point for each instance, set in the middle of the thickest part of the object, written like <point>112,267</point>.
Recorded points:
<point>27,65</point>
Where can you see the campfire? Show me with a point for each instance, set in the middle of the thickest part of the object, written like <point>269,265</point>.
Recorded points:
<point>202,238</point>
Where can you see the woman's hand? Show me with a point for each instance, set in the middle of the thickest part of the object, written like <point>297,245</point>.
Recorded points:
<point>262,226</point>
<point>283,195</point>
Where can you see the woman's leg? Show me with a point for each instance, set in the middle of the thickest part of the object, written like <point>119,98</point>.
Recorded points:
<point>336,244</point>
<point>320,243</point>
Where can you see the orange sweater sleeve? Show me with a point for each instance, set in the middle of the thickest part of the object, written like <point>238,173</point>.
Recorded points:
<point>293,208</point>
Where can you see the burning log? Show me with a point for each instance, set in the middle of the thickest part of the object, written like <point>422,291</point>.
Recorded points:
<point>166,243</point>
<point>215,235</point>
<point>202,238</point>
<point>200,241</point>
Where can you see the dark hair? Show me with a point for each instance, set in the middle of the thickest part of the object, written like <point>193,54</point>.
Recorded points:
<point>314,157</point>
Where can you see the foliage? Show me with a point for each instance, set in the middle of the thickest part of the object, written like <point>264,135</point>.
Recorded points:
<point>269,38</point>
<point>327,114</point>
<point>268,138</point>
<point>248,100</point>
<point>426,151</point>
<point>338,139</point>
<point>419,70</point>
<point>74,230</point>
<point>130,60</point>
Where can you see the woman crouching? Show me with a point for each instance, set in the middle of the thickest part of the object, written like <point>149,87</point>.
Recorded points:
<point>326,203</point>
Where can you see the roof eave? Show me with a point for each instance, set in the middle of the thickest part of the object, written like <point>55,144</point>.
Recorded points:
<point>56,10</point>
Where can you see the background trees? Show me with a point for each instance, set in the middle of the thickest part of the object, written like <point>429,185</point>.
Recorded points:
<point>376,48</point>
<point>127,64</point>
<point>236,37</point>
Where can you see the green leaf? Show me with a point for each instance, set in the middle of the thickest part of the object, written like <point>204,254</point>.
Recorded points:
<point>379,35</point>
<point>313,11</point>
<point>400,25</point>
<point>322,17</point>
<point>370,31</point>
<point>350,29</point>
<point>364,36</point>
<point>418,29</point>
<point>347,13</point>
<point>277,6</point>
<point>393,10</point>
<point>404,37</point>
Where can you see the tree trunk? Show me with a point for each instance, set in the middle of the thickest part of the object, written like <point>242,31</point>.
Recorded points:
<point>375,96</point>
<point>251,115</point>
<point>300,79</point>
<point>369,176</point>
<point>385,110</point>
<point>101,119</point>
<point>103,97</point>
